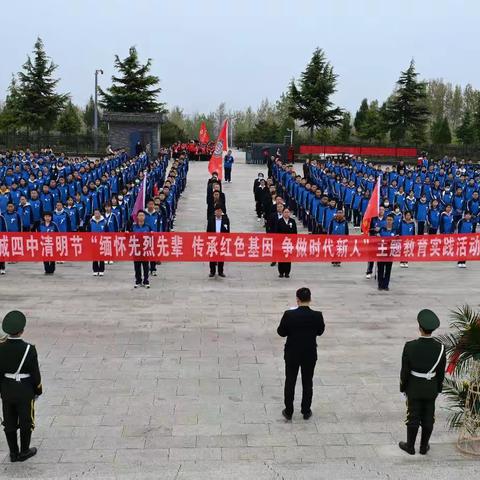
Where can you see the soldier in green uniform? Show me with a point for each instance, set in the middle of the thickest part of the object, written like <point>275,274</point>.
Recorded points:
<point>20,384</point>
<point>421,380</point>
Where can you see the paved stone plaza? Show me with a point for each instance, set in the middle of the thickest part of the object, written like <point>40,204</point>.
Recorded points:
<point>185,380</point>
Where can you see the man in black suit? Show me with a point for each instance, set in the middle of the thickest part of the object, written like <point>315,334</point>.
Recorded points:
<point>216,200</point>
<point>218,223</point>
<point>216,187</point>
<point>285,225</point>
<point>301,326</point>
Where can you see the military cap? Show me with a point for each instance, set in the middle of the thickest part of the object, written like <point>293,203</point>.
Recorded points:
<point>14,322</point>
<point>428,320</point>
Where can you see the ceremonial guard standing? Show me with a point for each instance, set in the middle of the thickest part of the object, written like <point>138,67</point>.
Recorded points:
<point>20,385</point>
<point>421,380</point>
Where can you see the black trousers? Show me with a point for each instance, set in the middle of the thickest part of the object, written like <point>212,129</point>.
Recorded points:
<point>18,414</point>
<point>213,267</point>
<point>432,231</point>
<point>139,266</point>
<point>383,275</point>
<point>228,174</point>
<point>98,267</point>
<point>153,267</point>
<point>370,268</point>
<point>348,213</point>
<point>284,268</point>
<point>421,228</point>
<point>357,217</point>
<point>420,412</point>
<point>306,364</point>
<point>49,267</point>
<point>259,209</point>
<point>2,265</point>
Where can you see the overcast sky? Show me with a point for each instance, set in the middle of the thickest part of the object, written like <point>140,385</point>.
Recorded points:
<point>241,51</point>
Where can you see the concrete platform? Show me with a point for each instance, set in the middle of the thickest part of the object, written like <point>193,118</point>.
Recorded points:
<point>185,380</point>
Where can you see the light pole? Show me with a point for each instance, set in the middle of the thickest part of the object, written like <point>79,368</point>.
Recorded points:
<point>291,135</point>
<point>95,112</point>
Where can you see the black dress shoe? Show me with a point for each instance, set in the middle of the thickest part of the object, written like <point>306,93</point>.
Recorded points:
<point>281,275</point>
<point>406,448</point>
<point>22,456</point>
<point>211,275</point>
<point>286,415</point>
<point>307,415</point>
<point>287,275</point>
<point>273,264</point>
<point>14,457</point>
<point>423,450</point>
<point>222,275</point>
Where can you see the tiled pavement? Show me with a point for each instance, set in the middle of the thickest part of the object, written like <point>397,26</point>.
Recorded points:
<point>184,381</point>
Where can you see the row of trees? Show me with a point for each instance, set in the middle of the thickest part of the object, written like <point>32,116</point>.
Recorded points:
<point>417,112</point>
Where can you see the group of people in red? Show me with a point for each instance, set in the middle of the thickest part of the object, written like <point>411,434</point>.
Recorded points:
<point>196,150</point>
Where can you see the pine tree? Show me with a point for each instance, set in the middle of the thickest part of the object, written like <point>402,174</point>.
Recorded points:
<point>89,114</point>
<point>466,132</point>
<point>39,104</point>
<point>408,109</point>
<point>446,134</point>
<point>311,100</point>
<point>345,131</point>
<point>69,122</point>
<point>134,90</point>
<point>360,116</point>
<point>440,132</point>
<point>9,117</point>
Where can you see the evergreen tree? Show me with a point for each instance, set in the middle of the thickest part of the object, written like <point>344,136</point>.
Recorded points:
<point>445,133</point>
<point>9,117</point>
<point>440,132</point>
<point>89,114</point>
<point>69,122</point>
<point>476,117</point>
<point>408,110</point>
<point>38,102</point>
<point>135,90</point>
<point>360,116</point>
<point>466,132</point>
<point>345,131</point>
<point>311,100</point>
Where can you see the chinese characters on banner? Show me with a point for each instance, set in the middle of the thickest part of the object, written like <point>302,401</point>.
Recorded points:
<point>234,247</point>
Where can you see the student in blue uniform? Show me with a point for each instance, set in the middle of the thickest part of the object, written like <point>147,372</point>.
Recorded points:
<point>385,268</point>
<point>47,226</point>
<point>421,212</point>
<point>376,224</point>
<point>36,206</point>
<point>433,217</point>
<point>473,206</point>
<point>98,224</point>
<point>465,225</point>
<point>153,219</point>
<point>26,214</point>
<point>338,226</point>
<point>406,228</point>
<point>12,219</point>
<point>446,220</point>
<point>227,166</point>
<point>141,227</point>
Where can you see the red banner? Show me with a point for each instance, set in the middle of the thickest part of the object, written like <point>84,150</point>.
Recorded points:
<point>349,149</point>
<point>234,247</point>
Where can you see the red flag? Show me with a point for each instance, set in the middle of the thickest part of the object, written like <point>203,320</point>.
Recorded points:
<point>221,145</point>
<point>372,208</point>
<point>203,136</point>
<point>140,200</point>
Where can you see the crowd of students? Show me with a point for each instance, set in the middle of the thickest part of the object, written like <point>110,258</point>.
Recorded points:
<point>48,193</point>
<point>428,198</point>
<point>194,149</point>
